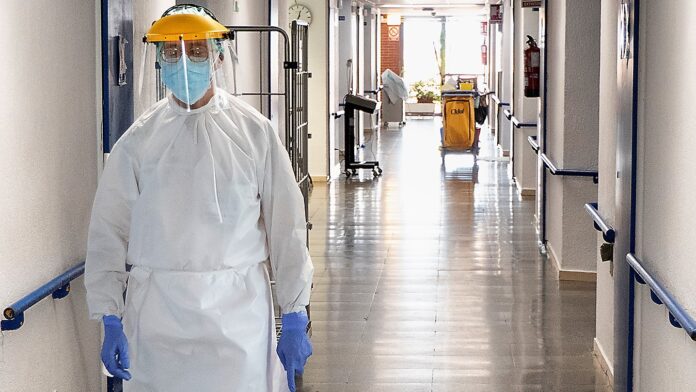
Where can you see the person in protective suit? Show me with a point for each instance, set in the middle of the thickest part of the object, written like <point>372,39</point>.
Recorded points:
<point>195,198</point>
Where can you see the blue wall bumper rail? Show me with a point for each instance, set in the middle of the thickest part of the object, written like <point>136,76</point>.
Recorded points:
<point>600,224</point>
<point>568,172</point>
<point>58,288</point>
<point>532,140</point>
<point>678,316</point>
<point>518,124</point>
<point>498,101</point>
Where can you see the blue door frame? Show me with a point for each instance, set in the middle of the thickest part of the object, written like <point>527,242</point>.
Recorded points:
<point>626,151</point>
<point>117,84</point>
<point>117,69</point>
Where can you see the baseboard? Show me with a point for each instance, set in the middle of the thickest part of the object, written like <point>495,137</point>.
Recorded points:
<point>526,193</point>
<point>502,152</point>
<point>569,275</point>
<point>321,179</point>
<point>604,364</point>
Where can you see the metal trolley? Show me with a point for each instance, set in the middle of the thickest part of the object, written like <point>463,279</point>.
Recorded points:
<point>295,104</point>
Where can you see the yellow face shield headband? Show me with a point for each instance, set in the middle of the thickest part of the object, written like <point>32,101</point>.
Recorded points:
<point>186,27</point>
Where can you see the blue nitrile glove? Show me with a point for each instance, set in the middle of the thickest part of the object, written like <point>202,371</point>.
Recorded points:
<point>294,346</point>
<point>114,351</point>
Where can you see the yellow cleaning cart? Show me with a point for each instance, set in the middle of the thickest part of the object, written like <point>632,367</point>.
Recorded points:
<point>459,130</point>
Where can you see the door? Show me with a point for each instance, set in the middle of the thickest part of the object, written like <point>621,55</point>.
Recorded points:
<point>626,130</point>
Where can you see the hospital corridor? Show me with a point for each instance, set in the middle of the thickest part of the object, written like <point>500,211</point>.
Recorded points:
<point>347,196</point>
<point>431,280</point>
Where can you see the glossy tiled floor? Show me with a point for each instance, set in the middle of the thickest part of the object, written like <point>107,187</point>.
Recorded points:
<point>429,279</point>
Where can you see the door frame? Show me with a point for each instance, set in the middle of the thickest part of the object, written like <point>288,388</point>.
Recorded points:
<point>625,203</point>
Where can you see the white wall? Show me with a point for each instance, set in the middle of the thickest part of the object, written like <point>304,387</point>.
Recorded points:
<point>347,42</point>
<point>555,97</point>
<point>524,109</point>
<point>505,93</point>
<point>665,195</point>
<point>572,130</point>
<point>607,175</point>
<point>48,163</point>
<point>318,85</point>
<point>369,63</point>
<point>333,87</point>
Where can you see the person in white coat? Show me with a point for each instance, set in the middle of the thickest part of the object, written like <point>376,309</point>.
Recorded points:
<point>194,199</point>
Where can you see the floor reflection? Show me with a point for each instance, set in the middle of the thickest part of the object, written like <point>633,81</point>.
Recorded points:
<point>429,279</point>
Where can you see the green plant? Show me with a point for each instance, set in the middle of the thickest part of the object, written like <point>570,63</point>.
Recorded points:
<point>426,91</point>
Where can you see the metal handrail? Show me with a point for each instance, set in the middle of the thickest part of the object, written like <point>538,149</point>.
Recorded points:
<point>532,140</point>
<point>519,124</point>
<point>498,101</point>
<point>507,113</point>
<point>600,224</point>
<point>568,172</point>
<point>58,287</point>
<point>678,316</point>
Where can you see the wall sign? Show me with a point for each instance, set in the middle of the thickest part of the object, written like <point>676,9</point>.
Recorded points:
<point>496,15</point>
<point>531,3</point>
<point>393,33</point>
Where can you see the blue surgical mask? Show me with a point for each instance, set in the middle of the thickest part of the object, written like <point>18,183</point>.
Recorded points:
<point>196,74</point>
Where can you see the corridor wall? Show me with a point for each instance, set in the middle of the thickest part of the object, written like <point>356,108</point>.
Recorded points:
<point>604,340</point>
<point>572,110</point>
<point>505,81</point>
<point>525,109</point>
<point>665,356</point>
<point>48,164</point>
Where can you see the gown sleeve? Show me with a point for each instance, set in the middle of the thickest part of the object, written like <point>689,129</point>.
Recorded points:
<point>107,243</point>
<point>282,209</point>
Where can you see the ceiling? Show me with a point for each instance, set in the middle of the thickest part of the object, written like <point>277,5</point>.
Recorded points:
<point>440,7</point>
<point>427,3</point>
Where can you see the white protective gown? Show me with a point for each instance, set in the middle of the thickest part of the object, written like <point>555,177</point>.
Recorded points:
<point>196,202</point>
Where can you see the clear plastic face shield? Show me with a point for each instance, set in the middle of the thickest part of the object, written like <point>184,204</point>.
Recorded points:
<point>187,62</point>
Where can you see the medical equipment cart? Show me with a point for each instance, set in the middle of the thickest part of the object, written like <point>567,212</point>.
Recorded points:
<point>294,95</point>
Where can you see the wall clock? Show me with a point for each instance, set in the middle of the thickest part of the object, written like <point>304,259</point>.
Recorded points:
<point>300,12</point>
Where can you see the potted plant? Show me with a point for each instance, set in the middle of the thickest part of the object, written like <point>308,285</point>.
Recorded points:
<point>427,92</point>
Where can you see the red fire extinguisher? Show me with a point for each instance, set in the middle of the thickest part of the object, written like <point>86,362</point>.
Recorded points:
<point>532,68</point>
<point>484,54</point>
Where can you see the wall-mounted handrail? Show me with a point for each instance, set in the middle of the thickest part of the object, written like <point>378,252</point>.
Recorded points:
<point>497,100</point>
<point>568,172</point>
<point>507,113</point>
<point>600,224</point>
<point>58,287</point>
<point>678,316</point>
<point>518,124</point>
<point>532,140</point>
